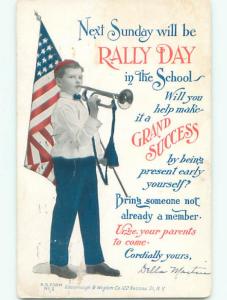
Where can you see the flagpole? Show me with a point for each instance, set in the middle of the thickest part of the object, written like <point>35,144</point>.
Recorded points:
<point>119,180</point>
<point>38,17</point>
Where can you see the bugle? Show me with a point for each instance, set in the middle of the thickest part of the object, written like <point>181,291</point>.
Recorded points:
<point>124,98</point>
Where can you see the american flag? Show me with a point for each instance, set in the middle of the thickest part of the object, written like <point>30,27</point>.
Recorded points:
<point>44,97</point>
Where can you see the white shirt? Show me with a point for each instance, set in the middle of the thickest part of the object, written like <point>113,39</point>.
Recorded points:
<point>73,129</point>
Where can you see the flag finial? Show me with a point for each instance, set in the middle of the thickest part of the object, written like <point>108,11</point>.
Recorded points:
<point>38,17</point>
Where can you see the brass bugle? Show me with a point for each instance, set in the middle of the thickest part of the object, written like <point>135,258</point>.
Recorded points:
<point>124,98</point>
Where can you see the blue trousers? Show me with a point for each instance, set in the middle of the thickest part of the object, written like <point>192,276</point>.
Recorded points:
<point>76,188</point>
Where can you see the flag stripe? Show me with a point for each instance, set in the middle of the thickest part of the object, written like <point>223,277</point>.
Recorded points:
<point>42,99</point>
<point>35,154</point>
<point>48,169</point>
<point>40,126</point>
<point>37,111</point>
<point>43,81</point>
<point>44,89</point>
<point>42,141</point>
<point>42,167</point>
<point>34,167</point>
<point>51,176</point>
<point>45,156</point>
<point>47,136</point>
<point>49,129</point>
<point>41,117</point>
<point>29,154</point>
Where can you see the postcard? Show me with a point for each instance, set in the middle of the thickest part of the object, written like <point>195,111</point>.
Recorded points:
<point>113,149</point>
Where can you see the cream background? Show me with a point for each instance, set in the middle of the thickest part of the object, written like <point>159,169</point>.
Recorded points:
<point>7,164</point>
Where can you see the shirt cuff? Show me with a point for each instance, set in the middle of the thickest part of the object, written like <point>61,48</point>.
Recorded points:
<point>92,125</point>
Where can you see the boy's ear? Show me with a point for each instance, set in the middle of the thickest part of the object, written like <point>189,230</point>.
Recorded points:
<point>58,80</point>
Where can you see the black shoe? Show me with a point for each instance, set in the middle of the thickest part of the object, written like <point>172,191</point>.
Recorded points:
<point>62,271</point>
<point>102,269</point>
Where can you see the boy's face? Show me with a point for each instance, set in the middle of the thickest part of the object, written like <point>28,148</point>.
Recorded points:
<point>70,81</point>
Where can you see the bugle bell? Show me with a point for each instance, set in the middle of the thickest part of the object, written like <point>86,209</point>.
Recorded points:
<point>124,98</point>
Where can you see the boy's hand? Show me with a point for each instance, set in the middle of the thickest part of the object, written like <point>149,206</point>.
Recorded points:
<point>103,161</point>
<point>93,102</point>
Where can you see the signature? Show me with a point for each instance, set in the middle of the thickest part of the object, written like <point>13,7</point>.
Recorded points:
<point>176,271</point>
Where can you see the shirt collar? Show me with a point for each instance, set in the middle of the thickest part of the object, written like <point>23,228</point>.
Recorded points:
<point>66,95</point>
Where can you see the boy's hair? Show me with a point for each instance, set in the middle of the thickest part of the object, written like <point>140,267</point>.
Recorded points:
<point>66,64</point>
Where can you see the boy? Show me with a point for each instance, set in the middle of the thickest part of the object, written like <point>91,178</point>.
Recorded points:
<point>74,162</point>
